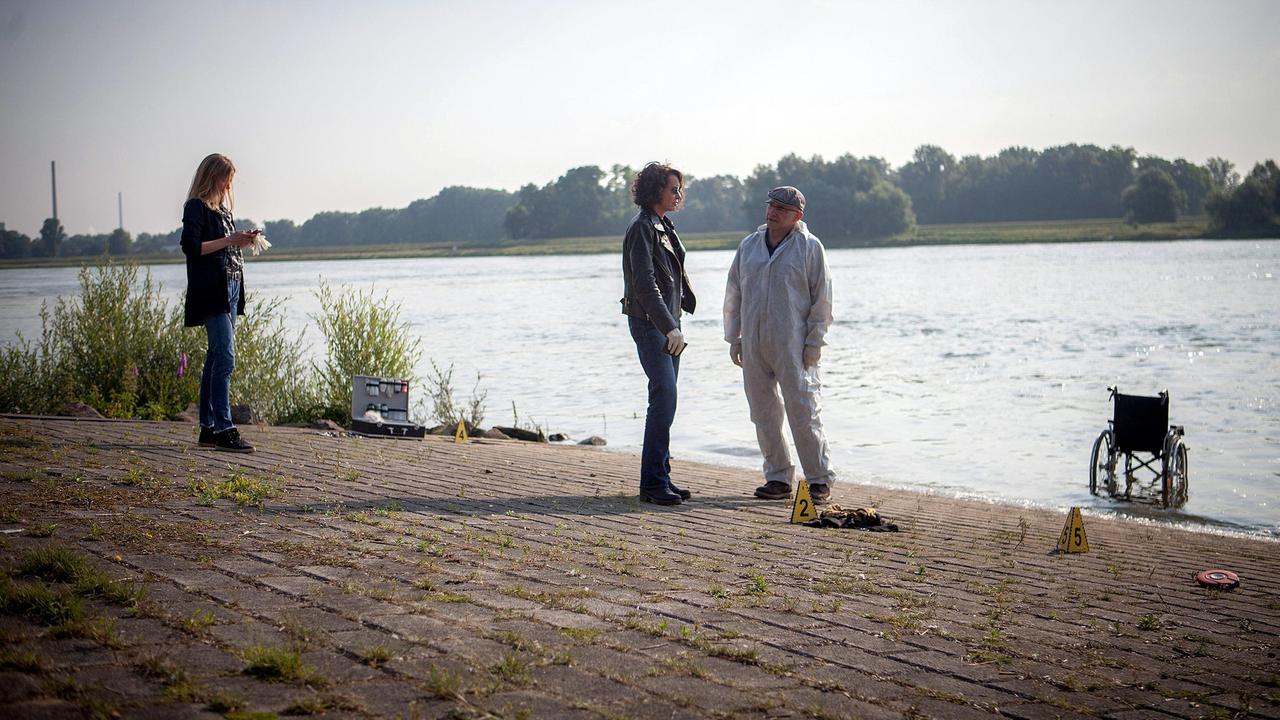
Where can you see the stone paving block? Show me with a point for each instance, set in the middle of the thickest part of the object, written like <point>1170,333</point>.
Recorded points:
<point>247,568</point>
<point>246,632</point>
<point>398,699</point>
<point>950,688</point>
<point>171,711</point>
<point>861,685</point>
<point>925,706</point>
<point>259,695</point>
<point>567,619</point>
<point>16,687</point>
<point>533,703</point>
<point>46,709</point>
<point>353,606</point>
<point>298,586</point>
<point>611,663</point>
<point>583,683</point>
<point>122,680</point>
<point>938,662</point>
<point>414,628</point>
<point>295,617</point>
<point>142,631</point>
<point>205,660</point>
<point>1043,711</point>
<point>695,692</point>
<point>235,594</point>
<point>836,704</point>
<point>861,660</point>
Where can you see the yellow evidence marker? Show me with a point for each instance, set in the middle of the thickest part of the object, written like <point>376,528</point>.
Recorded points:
<point>461,435</point>
<point>1072,539</point>
<point>802,510</point>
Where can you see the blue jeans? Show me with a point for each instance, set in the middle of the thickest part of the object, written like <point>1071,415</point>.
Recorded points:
<point>662,371</point>
<point>215,379</point>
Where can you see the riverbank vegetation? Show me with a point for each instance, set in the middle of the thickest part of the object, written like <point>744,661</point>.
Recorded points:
<point>120,348</point>
<point>851,201</point>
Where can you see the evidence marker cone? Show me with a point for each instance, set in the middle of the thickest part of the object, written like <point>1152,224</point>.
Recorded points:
<point>460,436</point>
<point>802,509</point>
<point>1072,539</point>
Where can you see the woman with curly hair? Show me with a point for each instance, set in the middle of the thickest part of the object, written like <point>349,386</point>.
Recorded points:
<point>655,290</point>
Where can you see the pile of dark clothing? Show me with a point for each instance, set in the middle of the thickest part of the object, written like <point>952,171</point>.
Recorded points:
<point>834,516</point>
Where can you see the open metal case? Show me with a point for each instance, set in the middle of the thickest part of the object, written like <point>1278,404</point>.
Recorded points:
<point>380,408</point>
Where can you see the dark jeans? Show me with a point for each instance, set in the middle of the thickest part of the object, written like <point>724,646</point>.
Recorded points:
<point>662,371</point>
<point>215,380</point>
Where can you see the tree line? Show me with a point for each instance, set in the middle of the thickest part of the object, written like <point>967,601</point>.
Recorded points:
<point>849,198</point>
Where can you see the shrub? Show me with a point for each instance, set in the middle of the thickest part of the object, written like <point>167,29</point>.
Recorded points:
<point>271,376</point>
<point>444,409</point>
<point>116,347</point>
<point>365,336</point>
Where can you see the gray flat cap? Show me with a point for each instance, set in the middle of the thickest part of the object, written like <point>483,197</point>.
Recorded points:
<point>789,196</point>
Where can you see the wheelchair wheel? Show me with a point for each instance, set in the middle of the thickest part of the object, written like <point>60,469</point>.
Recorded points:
<point>1102,465</point>
<point>1173,482</point>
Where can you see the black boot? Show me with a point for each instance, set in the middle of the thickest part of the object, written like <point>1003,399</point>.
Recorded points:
<point>684,494</point>
<point>660,495</point>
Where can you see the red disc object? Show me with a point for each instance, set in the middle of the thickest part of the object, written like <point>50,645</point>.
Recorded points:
<point>1219,579</point>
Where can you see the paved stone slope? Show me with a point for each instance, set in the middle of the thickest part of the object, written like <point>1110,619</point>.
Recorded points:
<point>420,579</point>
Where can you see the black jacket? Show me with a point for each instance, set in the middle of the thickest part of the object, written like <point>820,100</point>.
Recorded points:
<point>655,285</point>
<point>206,274</point>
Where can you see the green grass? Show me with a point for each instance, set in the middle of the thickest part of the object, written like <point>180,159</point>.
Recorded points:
<point>24,662</point>
<point>511,669</point>
<point>1017,232</point>
<point>240,488</point>
<point>40,603</point>
<point>1049,231</point>
<point>443,684</point>
<point>277,664</point>
<point>377,656</point>
<point>86,579</point>
<point>582,635</point>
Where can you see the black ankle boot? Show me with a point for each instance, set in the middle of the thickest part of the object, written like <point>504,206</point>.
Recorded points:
<point>684,494</point>
<point>659,496</point>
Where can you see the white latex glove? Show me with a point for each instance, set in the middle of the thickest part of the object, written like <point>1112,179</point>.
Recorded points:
<point>735,353</point>
<point>675,341</point>
<point>259,243</point>
<point>812,354</point>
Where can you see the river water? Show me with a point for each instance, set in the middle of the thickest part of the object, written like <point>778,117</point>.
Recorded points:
<point>976,371</point>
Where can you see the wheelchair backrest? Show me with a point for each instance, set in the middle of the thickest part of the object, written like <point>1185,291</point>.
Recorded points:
<point>1141,422</point>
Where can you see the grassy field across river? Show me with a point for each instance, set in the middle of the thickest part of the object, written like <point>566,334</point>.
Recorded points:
<point>1103,230</point>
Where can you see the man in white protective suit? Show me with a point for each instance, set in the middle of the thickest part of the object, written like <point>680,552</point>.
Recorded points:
<point>777,309</point>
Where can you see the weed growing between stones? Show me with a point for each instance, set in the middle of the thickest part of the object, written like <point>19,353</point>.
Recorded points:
<point>277,664</point>
<point>441,683</point>
<point>240,488</point>
<point>24,662</point>
<point>377,656</point>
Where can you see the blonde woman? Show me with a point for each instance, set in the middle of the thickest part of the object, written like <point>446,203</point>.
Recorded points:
<point>215,292</point>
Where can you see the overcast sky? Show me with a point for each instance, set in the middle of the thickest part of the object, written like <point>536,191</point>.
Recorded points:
<point>346,106</point>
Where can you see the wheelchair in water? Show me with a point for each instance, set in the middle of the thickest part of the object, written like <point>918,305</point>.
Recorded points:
<point>1140,428</point>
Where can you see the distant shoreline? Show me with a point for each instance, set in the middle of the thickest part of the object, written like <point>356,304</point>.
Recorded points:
<point>1012,233</point>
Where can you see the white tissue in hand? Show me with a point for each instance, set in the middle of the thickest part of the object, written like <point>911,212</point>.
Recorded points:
<point>259,244</point>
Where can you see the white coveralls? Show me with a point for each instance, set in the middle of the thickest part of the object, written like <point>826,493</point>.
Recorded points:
<point>775,305</point>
